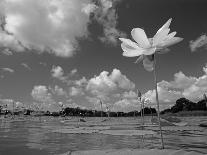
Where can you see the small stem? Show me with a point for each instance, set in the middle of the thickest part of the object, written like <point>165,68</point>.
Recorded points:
<point>143,111</point>
<point>158,105</point>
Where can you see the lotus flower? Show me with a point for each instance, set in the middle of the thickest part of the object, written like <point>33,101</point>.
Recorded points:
<point>144,47</point>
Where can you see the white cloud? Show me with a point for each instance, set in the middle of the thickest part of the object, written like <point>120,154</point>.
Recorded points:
<point>51,26</point>
<point>7,103</point>
<point>54,26</point>
<point>130,95</point>
<point>7,70</point>
<point>181,81</point>
<point>82,82</point>
<point>10,104</point>
<point>74,91</point>
<point>166,97</point>
<point>41,93</point>
<point>198,43</point>
<point>58,91</point>
<point>44,98</point>
<point>26,66</point>
<point>121,80</point>
<point>58,73</point>
<point>126,105</point>
<point>106,15</point>
<point>191,88</point>
<point>73,72</point>
<point>75,105</point>
<point>43,63</point>
<point>106,83</point>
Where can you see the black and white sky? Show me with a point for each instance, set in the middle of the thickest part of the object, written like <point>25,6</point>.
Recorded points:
<point>55,52</point>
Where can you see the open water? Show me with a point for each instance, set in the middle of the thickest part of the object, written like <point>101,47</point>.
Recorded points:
<point>48,135</point>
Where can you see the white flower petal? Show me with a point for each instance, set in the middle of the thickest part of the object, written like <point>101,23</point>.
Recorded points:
<point>169,42</point>
<point>149,51</point>
<point>139,59</point>
<point>129,42</point>
<point>165,26</point>
<point>130,51</point>
<point>159,37</point>
<point>148,63</point>
<point>171,35</point>
<point>140,37</point>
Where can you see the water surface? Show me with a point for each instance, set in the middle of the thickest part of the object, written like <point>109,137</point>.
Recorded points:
<point>33,135</point>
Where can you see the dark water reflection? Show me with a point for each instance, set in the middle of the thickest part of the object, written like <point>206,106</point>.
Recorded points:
<point>31,136</point>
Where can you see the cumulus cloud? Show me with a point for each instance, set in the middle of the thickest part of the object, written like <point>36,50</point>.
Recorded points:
<point>7,103</point>
<point>51,26</point>
<point>82,82</point>
<point>54,26</point>
<point>198,43</point>
<point>10,104</point>
<point>75,91</point>
<point>105,14</point>
<point>57,90</point>
<point>7,70</point>
<point>129,95</point>
<point>106,83</point>
<point>26,66</point>
<point>41,93</point>
<point>58,73</point>
<point>73,72</point>
<point>43,63</point>
<point>167,97</point>
<point>75,105</point>
<point>44,98</point>
<point>7,40</point>
<point>126,105</point>
<point>181,81</point>
<point>189,87</point>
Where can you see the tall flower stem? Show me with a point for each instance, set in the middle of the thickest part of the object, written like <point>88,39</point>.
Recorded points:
<point>140,100</point>
<point>101,108</point>
<point>157,100</point>
<point>143,111</point>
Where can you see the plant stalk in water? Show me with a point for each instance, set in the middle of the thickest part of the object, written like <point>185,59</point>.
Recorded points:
<point>158,104</point>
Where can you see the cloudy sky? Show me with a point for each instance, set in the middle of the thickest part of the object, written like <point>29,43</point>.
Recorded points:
<point>67,52</point>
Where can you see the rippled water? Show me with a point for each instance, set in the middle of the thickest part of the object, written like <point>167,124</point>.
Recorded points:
<point>28,136</point>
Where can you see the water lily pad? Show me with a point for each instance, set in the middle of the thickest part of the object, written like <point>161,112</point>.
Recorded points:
<point>75,131</point>
<point>175,128</point>
<point>95,128</point>
<point>128,132</point>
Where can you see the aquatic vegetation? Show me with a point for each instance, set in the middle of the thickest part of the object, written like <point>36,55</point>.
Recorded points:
<point>128,132</point>
<point>146,48</point>
<point>75,131</point>
<point>175,128</point>
<point>95,128</point>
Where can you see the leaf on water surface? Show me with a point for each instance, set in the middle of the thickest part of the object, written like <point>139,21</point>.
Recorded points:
<point>95,128</point>
<point>128,132</point>
<point>75,131</point>
<point>175,128</point>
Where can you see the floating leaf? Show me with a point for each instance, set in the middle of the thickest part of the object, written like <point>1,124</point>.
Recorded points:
<point>128,132</point>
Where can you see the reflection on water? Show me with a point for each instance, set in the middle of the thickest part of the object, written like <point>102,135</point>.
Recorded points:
<point>32,136</point>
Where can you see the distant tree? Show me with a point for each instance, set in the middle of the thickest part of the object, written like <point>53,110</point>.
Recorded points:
<point>201,105</point>
<point>183,104</point>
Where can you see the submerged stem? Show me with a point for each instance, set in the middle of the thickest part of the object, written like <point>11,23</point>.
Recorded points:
<point>157,100</point>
